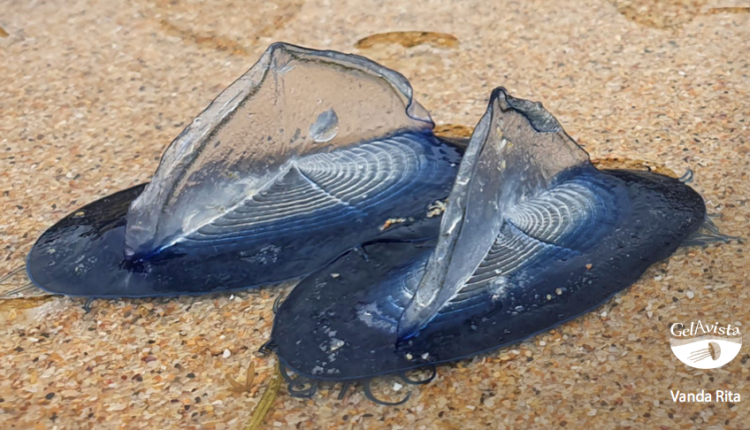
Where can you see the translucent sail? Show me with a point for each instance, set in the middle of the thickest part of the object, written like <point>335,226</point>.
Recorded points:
<point>293,103</point>
<point>516,151</point>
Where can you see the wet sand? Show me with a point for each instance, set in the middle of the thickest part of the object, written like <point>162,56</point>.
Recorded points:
<point>93,91</point>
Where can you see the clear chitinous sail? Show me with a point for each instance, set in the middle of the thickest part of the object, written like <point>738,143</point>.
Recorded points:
<point>511,158</point>
<point>284,139</point>
<point>308,154</point>
<point>533,235</point>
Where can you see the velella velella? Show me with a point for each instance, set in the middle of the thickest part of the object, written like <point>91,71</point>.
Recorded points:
<point>533,236</point>
<point>308,154</point>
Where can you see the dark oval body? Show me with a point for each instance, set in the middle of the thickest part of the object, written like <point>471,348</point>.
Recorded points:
<point>84,255</point>
<point>324,329</point>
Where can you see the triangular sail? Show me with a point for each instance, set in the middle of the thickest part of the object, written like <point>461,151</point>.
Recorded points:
<point>293,103</point>
<point>515,153</point>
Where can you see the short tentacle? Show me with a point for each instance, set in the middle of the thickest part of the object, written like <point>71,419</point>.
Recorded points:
<point>28,289</point>
<point>277,303</point>
<point>299,387</point>
<point>707,234</point>
<point>11,273</point>
<point>265,349</point>
<point>687,177</point>
<point>433,373</point>
<point>87,305</point>
<point>24,291</point>
<point>285,373</point>
<point>344,388</point>
<point>372,398</point>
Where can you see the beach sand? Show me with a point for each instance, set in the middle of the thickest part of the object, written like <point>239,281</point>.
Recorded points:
<point>94,90</point>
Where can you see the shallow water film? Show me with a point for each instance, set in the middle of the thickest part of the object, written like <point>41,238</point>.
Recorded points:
<point>94,92</point>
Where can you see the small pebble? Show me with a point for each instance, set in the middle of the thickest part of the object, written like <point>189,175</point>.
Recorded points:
<point>690,294</point>
<point>227,353</point>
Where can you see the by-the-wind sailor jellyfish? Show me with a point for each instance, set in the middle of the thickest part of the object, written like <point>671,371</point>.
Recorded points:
<point>533,235</point>
<point>308,154</point>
